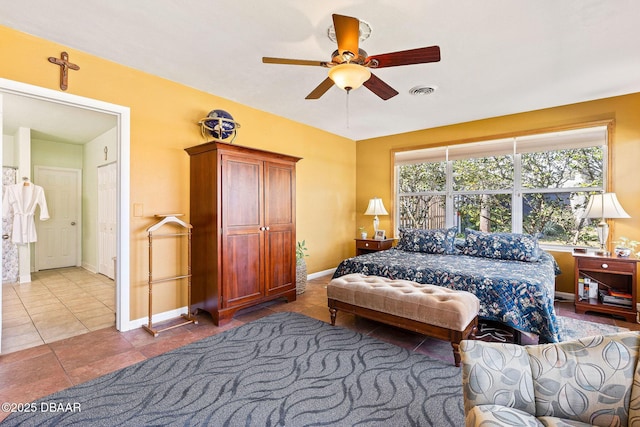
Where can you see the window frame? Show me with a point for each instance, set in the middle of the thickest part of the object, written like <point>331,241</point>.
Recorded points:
<point>430,152</point>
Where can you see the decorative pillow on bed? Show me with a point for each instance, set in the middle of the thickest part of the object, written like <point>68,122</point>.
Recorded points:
<point>437,241</point>
<point>507,246</point>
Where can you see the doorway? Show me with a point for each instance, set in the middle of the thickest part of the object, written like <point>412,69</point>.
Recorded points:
<point>121,115</point>
<point>107,219</point>
<point>59,237</point>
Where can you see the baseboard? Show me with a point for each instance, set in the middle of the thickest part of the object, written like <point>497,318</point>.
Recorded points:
<point>90,268</point>
<point>172,314</point>
<point>157,318</point>
<point>321,273</point>
<point>24,278</point>
<point>565,296</point>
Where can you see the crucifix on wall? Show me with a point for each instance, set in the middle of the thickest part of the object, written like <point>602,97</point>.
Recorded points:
<point>65,66</point>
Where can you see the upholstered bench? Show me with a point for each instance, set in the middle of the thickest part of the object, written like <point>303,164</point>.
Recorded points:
<point>427,309</point>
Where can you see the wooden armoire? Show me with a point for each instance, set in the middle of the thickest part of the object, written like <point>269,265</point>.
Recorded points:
<point>243,213</point>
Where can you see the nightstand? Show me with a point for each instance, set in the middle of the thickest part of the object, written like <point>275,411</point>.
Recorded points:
<point>365,246</point>
<point>615,280</point>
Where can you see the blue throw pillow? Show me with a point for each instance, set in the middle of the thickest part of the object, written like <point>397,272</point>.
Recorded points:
<point>437,241</point>
<point>507,246</point>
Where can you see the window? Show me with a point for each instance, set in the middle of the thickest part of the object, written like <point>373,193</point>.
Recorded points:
<point>537,184</point>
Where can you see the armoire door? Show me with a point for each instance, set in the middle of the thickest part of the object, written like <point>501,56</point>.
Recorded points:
<point>279,191</point>
<point>242,230</point>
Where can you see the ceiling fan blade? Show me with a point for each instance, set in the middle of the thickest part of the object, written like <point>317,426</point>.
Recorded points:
<point>320,89</point>
<point>285,61</point>
<point>380,88</point>
<point>406,57</point>
<point>347,33</point>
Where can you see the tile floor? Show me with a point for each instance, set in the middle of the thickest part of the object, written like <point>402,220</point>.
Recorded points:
<point>55,305</point>
<point>29,374</point>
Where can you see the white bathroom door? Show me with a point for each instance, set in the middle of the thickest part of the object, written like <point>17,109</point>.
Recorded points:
<point>107,199</point>
<point>59,237</point>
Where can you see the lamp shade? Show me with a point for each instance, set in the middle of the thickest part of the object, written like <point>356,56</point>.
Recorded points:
<point>604,205</point>
<point>349,76</point>
<point>376,207</point>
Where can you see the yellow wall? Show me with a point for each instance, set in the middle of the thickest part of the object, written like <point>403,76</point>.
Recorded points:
<point>332,187</point>
<point>163,122</point>
<point>374,171</point>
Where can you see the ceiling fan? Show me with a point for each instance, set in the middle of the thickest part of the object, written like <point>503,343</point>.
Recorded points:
<point>350,66</point>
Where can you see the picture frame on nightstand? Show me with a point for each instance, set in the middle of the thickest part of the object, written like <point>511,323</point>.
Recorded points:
<point>380,235</point>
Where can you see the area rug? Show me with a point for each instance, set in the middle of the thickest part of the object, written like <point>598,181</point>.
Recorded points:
<point>570,329</point>
<point>282,370</point>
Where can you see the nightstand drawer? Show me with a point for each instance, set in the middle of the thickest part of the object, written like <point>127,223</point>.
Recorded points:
<point>364,246</point>
<point>606,265</point>
<point>369,244</point>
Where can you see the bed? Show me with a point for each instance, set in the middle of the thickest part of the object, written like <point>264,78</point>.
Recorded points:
<point>514,289</point>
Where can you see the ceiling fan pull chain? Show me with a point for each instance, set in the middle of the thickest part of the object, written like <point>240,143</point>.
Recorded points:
<point>348,91</point>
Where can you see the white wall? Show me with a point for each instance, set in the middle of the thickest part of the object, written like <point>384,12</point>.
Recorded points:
<point>8,151</point>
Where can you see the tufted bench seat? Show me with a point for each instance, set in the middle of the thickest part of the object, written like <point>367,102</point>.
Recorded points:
<point>427,309</point>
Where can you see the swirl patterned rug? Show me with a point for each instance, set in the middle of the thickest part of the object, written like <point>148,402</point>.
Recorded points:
<point>282,370</point>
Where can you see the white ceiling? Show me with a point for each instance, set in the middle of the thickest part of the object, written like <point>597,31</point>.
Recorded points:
<point>53,122</point>
<point>498,56</point>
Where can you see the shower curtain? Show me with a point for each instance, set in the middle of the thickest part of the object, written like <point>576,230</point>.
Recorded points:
<point>9,249</point>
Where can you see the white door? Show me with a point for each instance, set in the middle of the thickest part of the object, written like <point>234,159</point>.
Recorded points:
<point>58,242</point>
<point>107,193</point>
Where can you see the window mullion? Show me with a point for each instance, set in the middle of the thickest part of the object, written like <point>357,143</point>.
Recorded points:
<point>451,218</point>
<point>516,197</point>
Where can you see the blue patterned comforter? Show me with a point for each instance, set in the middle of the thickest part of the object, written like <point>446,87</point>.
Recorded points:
<point>518,294</point>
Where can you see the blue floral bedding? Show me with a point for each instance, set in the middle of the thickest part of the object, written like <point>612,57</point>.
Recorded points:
<point>516,293</point>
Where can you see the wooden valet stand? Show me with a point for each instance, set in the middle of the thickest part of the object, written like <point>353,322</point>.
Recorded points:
<point>170,219</point>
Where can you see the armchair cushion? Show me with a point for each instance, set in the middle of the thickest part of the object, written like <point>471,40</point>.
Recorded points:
<point>591,381</point>
<point>496,373</point>
<point>498,415</point>
<point>588,380</point>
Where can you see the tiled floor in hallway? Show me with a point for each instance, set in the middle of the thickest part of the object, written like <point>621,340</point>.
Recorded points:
<point>55,305</point>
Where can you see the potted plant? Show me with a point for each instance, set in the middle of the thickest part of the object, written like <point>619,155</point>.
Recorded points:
<point>301,267</point>
<point>363,232</point>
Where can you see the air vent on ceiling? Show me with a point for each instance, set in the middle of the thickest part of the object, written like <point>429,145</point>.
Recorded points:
<point>422,90</point>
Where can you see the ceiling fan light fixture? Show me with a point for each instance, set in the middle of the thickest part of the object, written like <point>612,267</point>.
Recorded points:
<point>364,31</point>
<point>349,76</point>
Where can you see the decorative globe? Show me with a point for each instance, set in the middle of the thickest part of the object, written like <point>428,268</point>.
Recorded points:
<point>221,126</point>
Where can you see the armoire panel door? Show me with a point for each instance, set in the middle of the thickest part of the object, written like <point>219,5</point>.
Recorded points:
<point>279,194</point>
<point>242,199</point>
<point>279,259</point>
<point>242,272</point>
<point>280,220</point>
<point>242,230</point>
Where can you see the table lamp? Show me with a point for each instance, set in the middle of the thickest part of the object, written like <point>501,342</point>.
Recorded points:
<point>376,208</point>
<point>603,206</point>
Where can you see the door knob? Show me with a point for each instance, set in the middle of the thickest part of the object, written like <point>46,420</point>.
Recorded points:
<point>73,223</point>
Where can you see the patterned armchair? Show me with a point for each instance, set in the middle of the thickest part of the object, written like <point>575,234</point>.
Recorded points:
<point>591,381</point>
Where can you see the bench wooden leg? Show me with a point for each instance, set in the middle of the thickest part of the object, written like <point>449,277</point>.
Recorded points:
<point>333,312</point>
<point>456,352</point>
